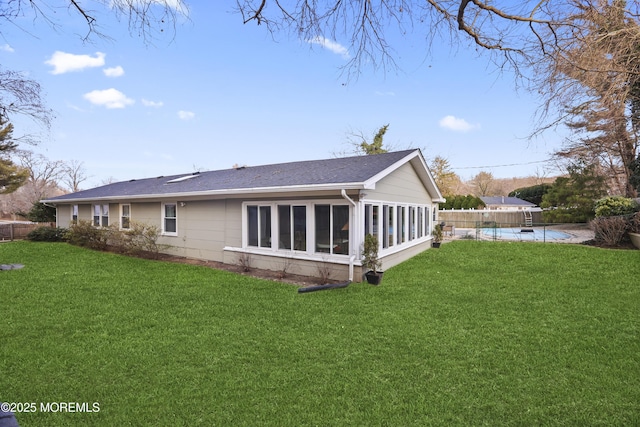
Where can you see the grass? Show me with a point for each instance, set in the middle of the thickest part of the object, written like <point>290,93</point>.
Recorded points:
<point>474,333</point>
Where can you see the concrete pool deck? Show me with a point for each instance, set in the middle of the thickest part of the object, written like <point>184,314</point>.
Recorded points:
<point>579,233</point>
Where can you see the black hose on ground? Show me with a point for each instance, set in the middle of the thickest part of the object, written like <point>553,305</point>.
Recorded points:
<point>323,287</point>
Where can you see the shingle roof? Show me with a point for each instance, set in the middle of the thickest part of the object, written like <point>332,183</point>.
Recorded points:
<point>505,201</point>
<point>344,170</point>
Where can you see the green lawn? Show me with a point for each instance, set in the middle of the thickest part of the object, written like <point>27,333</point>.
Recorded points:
<point>474,333</point>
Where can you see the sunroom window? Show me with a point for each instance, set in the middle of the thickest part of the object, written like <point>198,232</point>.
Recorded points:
<point>292,226</point>
<point>332,229</point>
<point>259,226</point>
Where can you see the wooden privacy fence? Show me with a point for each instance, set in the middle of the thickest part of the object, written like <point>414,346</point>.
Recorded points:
<point>17,230</point>
<point>470,218</point>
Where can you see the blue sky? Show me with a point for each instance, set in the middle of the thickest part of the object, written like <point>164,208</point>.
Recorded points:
<point>222,93</point>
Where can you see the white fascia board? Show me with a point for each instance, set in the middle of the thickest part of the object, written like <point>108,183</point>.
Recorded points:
<point>210,193</point>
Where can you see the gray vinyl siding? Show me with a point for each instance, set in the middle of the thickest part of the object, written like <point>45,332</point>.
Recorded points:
<point>233,225</point>
<point>63,216</point>
<point>403,186</point>
<point>201,230</point>
<point>146,212</point>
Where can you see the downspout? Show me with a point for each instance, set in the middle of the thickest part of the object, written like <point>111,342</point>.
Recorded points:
<point>352,257</point>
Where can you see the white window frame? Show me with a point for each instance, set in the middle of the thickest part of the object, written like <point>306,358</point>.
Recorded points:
<point>122,206</point>
<point>164,218</point>
<point>415,226</point>
<point>310,251</point>
<point>75,209</point>
<point>101,215</point>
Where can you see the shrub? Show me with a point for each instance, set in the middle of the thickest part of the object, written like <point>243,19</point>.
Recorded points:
<point>610,230</point>
<point>47,234</point>
<point>84,234</point>
<point>615,205</point>
<point>141,238</point>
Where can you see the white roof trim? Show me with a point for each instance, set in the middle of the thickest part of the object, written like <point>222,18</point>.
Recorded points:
<point>231,191</point>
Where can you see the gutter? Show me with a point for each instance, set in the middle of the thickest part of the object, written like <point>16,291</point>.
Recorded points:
<point>352,257</point>
<point>223,193</point>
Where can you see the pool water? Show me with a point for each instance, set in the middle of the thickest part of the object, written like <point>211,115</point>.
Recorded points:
<point>538,234</point>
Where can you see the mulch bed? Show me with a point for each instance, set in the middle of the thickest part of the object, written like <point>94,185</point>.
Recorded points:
<point>275,276</point>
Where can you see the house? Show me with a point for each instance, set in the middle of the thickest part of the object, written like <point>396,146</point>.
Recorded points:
<point>307,214</point>
<point>502,203</point>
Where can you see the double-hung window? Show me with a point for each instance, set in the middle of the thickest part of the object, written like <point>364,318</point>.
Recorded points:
<point>100,215</point>
<point>125,216</point>
<point>170,219</point>
<point>74,214</point>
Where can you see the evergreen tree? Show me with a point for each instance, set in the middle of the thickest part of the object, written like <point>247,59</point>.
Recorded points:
<point>11,175</point>
<point>375,147</point>
<point>573,198</point>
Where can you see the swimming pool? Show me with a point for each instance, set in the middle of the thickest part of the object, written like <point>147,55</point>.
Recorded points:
<point>534,234</point>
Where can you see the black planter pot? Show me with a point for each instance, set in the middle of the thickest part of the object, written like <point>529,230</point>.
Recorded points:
<point>435,244</point>
<point>374,278</point>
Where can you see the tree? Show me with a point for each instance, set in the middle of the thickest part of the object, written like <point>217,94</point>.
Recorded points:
<point>73,175</point>
<point>462,202</point>
<point>41,213</point>
<point>483,182</point>
<point>41,181</point>
<point>572,198</point>
<point>445,178</point>
<point>147,18</point>
<point>360,146</point>
<point>375,147</point>
<point>533,194</point>
<point>593,80</point>
<point>19,95</point>
<point>11,175</point>
<point>634,179</point>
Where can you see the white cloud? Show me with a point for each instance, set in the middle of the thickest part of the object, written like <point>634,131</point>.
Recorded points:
<point>456,124</point>
<point>63,62</point>
<point>154,104</point>
<point>109,98</point>
<point>186,115</point>
<point>114,71</point>
<point>5,47</point>
<point>334,47</point>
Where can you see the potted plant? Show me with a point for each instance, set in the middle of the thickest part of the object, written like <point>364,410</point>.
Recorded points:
<point>634,230</point>
<point>370,260</point>
<point>437,236</point>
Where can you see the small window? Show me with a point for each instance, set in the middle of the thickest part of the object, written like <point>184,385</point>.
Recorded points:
<point>125,219</point>
<point>105,215</point>
<point>74,214</point>
<point>170,220</point>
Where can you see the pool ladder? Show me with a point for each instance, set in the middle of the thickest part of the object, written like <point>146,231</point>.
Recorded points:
<point>528,219</point>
